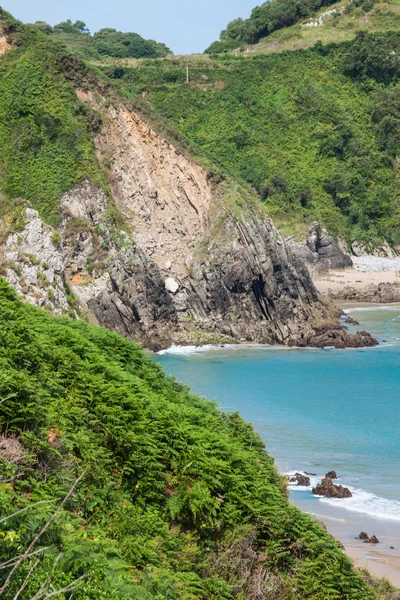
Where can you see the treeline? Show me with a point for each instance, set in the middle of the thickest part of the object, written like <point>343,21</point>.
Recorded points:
<point>104,43</point>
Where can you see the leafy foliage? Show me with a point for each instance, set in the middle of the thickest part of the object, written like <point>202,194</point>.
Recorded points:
<point>172,488</point>
<point>45,132</point>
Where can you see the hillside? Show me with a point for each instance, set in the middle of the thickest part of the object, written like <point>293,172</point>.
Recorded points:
<point>314,131</point>
<point>110,214</point>
<point>171,492</point>
<point>278,25</point>
<point>339,26</point>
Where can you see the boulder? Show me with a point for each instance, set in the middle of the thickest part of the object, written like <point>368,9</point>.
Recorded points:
<point>301,479</point>
<point>331,475</point>
<point>363,536</point>
<point>320,250</point>
<point>330,490</point>
<point>373,540</point>
<point>171,285</point>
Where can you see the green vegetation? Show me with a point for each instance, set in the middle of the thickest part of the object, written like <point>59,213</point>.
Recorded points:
<point>265,19</point>
<point>45,132</point>
<point>314,131</point>
<point>278,24</point>
<point>341,26</point>
<point>104,43</point>
<point>173,492</point>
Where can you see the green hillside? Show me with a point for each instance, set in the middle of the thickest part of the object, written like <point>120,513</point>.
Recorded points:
<point>173,491</point>
<point>283,24</point>
<point>316,132</point>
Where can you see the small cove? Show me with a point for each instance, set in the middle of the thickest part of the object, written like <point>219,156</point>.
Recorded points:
<point>319,410</point>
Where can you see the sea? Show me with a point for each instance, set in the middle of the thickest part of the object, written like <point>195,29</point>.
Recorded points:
<point>317,411</point>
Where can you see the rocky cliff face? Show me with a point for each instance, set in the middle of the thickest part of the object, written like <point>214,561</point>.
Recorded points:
<point>197,262</point>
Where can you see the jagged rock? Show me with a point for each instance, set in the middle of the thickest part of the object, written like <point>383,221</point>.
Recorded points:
<point>373,540</point>
<point>229,276</point>
<point>351,321</point>
<point>300,479</point>
<point>321,251</point>
<point>331,490</point>
<point>384,293</point>
<point>363,536</point>
<point>331,475</point>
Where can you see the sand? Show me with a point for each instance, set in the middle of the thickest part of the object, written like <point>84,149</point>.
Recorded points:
<point>378,563</point>
<point>335,281</point>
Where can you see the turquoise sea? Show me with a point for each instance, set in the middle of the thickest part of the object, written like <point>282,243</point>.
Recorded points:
<point>318,410</point>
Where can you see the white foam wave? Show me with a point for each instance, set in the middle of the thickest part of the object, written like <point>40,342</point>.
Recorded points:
<point>368,504</point>
<point>187,349</point>
<point>395,307</point>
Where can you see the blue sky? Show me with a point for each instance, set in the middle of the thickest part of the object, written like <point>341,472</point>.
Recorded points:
<point>185,26</point>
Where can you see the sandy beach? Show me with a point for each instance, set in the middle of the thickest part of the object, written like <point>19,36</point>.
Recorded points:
<point>336,281</point>
<point>378,563</point>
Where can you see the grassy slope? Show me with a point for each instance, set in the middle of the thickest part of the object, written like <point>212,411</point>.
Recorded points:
<point>383,17</point>
<point>290,124</point>
<point>169,479</point>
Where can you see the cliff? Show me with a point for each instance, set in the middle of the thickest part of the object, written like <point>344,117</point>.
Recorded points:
<point>118,225</point>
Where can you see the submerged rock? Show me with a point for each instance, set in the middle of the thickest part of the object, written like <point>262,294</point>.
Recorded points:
<point>330,490</point>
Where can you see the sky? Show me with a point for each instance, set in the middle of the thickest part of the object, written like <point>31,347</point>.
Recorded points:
<point>186,26</point>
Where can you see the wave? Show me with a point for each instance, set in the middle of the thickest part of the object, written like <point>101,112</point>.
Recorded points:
<point>368,504</point>
<point>394,307</point>
<point>187,349</point>
<point>361,501</point>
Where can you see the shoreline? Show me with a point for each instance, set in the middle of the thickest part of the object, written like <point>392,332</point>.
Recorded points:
<point>379,564</point>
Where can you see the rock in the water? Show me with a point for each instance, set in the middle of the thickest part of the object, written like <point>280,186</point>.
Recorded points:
<point>310,474</point>
<point>351,321</point>
<point>331,475</point>
<point>373,540</point>
<point>301,479</point>
<point>363,536</point>
<point>331,490</point>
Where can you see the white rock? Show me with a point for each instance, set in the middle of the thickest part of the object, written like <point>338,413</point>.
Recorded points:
<point>171,285</point>
<point>168,264</point>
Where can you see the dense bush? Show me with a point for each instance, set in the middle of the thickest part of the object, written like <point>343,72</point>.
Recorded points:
<point>45,135</point>
<point>173,492</point>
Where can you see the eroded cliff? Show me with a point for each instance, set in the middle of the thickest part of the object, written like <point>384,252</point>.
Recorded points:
<point>170,257</point>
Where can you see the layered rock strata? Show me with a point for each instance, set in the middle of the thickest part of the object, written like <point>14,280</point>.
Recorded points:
<point>197,261</point>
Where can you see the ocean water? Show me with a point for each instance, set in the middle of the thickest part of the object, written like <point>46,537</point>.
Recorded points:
<point>318,410</point>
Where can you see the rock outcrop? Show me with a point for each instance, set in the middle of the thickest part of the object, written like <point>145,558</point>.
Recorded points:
<point>321,251</point>
<point>173,257</point>
<point>300,479</point>
<point>383,293</point>
<point>330,490</point>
